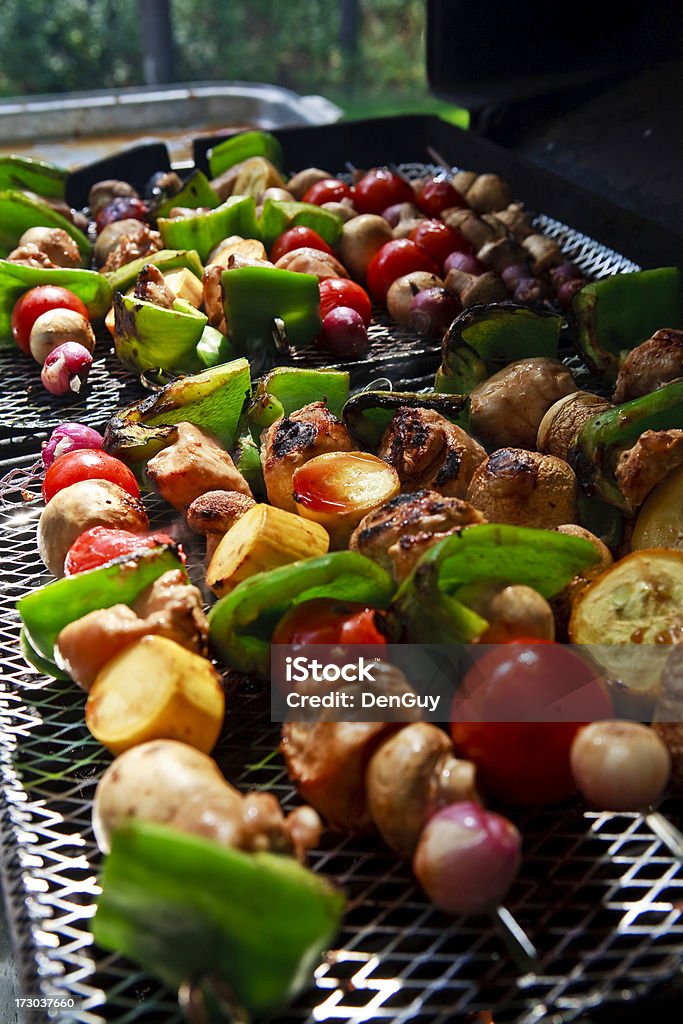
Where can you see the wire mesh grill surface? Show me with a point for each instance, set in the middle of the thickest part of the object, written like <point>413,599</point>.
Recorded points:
<point>30,412</point>
<point>598,894</point>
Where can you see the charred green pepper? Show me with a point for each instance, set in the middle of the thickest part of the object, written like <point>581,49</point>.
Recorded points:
<point>613,315</point>
<point>483,339</point>
<point>19,212</point>
<point>431,605</point>
<point>147,336</point>
<point>255,297</point>
<point>603,438</point>
<point>203,231</point>
<point>23,173</point>
<point>242,622</point>
<point>123,279</point>
<point>196,192</point>
<point>242,146</point>
<point>15,279</point>
<point>45,612</point>
<point>278,215</point>
<point>213,400</point>
<point>369,413</point>
<point>287,388</point>
<point>191,911</point>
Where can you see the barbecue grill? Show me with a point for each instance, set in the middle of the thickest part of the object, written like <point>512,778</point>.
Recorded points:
<point>600,894</point>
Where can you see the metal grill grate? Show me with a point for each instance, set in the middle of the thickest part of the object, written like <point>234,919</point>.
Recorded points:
<point>598,894</point>
<point>30,412</point>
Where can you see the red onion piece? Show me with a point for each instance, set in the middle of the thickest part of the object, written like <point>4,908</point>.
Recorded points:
<point>467,858</point>
<point>66,368</point>
<point>67,438</point>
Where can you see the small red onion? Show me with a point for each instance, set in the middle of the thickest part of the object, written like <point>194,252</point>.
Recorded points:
<point>432,311</point>
<point>344,333</point>
<point>530,289</point>
<point>467,858</point>
<point>66,368</point>
<point>564,272</point>
<point>513,274</point>
<point>568,289</point>
<point>464,261</point>
<point>69,437</point>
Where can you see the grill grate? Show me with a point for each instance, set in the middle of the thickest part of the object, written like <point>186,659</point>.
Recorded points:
<point>598,894</point>
<point>30,412</point>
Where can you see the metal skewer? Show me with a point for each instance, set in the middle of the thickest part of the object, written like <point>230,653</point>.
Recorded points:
<point>667,833</point>
<point>517,942</point>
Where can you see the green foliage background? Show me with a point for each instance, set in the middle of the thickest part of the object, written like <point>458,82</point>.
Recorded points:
<point>59,45</point>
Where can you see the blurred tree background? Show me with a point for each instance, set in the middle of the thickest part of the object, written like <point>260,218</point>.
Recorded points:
<point>359,53</point>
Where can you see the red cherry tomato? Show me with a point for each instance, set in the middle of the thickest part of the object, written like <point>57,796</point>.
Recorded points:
<point>379,189</point>
<point>329,190</point>
<point>297,238</point>
<point>328,621</point>
<point>394,259</point>
<point>102,544</point>
<point>437,195</point>
<point>40,300</point>
<point>339,291</point>
<point>439,239</point>
<point>516,714</point>
<point>87,464</point>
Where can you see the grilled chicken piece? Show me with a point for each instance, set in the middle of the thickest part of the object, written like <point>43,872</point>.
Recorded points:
<point>30,255</point>
<point>57,244</point>
<point>293,440</point>
<point>140,242</point>
<point>194,464</point>
<point>171,607</point>
<point>642,467</point>
<point>215,512</point>
<point>428,451</point>
<point>657,361</point>
<point>213,297</point>
<point>150,286</point>
<point>397,534</point>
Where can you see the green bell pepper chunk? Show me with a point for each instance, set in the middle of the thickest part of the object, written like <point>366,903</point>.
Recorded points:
<point>617,313</point>
<point>247,458</point>
<point>253,297</point>
<point>147,336</point>
<point>431,605</point>
<point>602,438</point>
<point>241,623</point>
<point>45,612</point>
<point>123,279</point>
<point>15,279</point>
<point>20,172</point>
<point>214,348</point>
<point>483,339</point>
<point>197,191</point>
<point>19,212</point>
<point>241,147</point>
<point>185,908</point>
<point>288,388</point>
<point>278,215</point>
<point>203,231</point>
<point>213,400</point>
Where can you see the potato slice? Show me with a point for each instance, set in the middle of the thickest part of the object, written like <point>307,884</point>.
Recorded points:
<point>338,488</point>
<point>155,689</point>
<point>632,613</point>
<point>185,285</point>
<point>263,538</point>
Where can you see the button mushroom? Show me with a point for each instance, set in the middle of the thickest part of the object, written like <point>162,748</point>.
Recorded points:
<point>403,290</point>
<point>411,775</point>
<point>511,612</point>
<point>213,513</point>
<point>561,423</point>
<point>363,237</point>
<point>525,489</point>
<point>507,408</point>
<point>76,508</point>
<point>56,327</point>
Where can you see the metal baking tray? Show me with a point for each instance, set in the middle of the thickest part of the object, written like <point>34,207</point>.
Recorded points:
<point>599,894</point>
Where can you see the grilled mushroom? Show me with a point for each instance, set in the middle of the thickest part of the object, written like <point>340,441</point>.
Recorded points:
<point>561,423</point>
<point>524,488</point>
<point>215,512</point>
